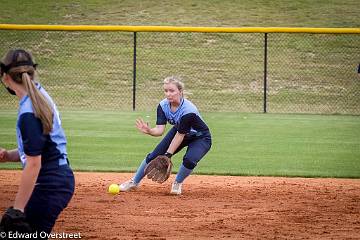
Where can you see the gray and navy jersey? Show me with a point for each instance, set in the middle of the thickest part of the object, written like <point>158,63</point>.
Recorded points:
<point>186,119</point>
<point>30,137</point>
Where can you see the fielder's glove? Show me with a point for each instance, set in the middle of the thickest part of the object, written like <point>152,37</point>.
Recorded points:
<point>159,169</point>
<point>14,220</point>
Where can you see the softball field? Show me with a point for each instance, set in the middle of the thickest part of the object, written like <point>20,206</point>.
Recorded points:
<point>211,207</point>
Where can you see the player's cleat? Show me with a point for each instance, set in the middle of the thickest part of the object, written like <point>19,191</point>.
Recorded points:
<point>128,185</point>
<point>176,188</point>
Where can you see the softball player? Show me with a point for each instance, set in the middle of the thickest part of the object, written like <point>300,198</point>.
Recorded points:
<point>189,129</point>
<point>47,181</point>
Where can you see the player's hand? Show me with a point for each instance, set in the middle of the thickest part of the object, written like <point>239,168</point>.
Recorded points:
<point>3,155</point>
<point>142,126</point>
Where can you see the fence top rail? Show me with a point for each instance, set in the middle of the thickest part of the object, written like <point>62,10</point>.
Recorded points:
<point>178,29</point>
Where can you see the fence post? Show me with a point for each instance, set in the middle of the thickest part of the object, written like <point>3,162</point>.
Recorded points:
<point>134,73</point>
<point>265,73</point>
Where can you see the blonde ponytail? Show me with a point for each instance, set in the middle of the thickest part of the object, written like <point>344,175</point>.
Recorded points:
<point>41,105</point>
<point>19,64</point>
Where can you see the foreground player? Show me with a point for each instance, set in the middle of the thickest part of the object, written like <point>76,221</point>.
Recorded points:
<point>47,182</point>
<point>189,130</point>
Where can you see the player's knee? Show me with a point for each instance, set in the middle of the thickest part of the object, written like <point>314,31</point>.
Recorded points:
<point>189,164</point>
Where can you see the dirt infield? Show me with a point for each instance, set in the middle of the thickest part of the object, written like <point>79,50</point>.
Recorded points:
<point>211,207</point>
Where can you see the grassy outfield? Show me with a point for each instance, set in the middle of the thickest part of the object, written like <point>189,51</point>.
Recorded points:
<point>262,13</point>
<point>243,144</point>
<point>307,73</point>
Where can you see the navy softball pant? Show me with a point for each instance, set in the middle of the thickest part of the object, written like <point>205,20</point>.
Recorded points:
<point>198,146</point>
<point>53,191</point>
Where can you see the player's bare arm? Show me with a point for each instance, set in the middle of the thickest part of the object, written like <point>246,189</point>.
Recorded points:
<point>27,183</point>
<point>9,155</point>
<point>145,128</point>
<point>175,143</point>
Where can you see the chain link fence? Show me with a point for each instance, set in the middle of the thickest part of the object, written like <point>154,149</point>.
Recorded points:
<point>222,72</point>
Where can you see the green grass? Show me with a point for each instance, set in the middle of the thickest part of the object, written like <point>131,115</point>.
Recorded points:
<point>87,70</point>
<point>223,73</point>
<point>302,13</point>
<point>243,144</point>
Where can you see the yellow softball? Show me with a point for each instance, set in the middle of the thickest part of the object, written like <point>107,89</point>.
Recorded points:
<point>114,189</point>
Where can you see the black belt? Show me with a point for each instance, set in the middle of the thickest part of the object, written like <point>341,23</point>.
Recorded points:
<point>198,134</point>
